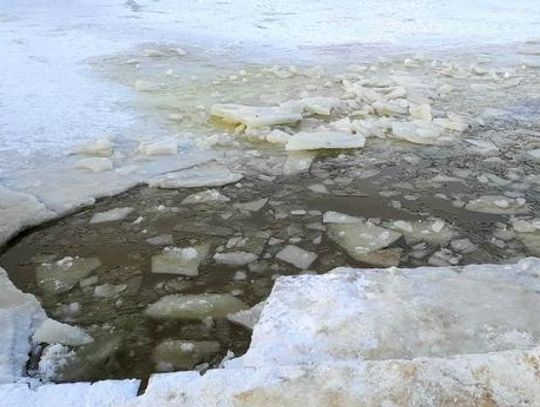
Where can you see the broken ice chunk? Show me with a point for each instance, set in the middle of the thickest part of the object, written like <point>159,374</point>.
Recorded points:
<point>336,217</point>
<point>433,231</point>
<point>186,307</point>
<point>235,258</point>
<point>453,122</point>
<point>204,176</point>
<point>51,331</point>
<point>112,215</point>
<point>296,256</point>
<point>324,140</point>
<point>498,204</point>
<point>382,258</point>
<point>109,290</point>
<point>53,359</point>
<point>95,164</point>
<point>174,354</point>
<point>102,147</point>
<point>183,261</point>
<point>419,132</point>
<point>298,162</point>
<point>389,109</point>
<point>161,147</point>
<point>278,137</point>
<point>251,206</point>
<point>252,116</point>
<point>421,112</point>
<point>248,318</point>
<point>320,105</point>
<point>61,276</point>
<point>361,238</point>
<point>444,257</point>
<point>463,245</point>
<point>161,240</point>
<point>210,195</point>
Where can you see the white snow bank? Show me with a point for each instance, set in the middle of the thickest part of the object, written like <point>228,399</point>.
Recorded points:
<point>504,378</point>
<point>107,393</point>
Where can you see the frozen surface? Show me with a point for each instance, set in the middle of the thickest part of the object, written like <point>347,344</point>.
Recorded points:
<point>20,315</point>
<point>100,394</point>
<point>426,311</point>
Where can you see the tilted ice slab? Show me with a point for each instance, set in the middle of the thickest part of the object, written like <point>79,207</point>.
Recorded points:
<point>324,140</point>
<point>253,116</point>
<point>398,313</point>
<point>205,176</point>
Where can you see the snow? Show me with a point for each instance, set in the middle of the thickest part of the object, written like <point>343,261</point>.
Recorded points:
<point>184,261</point>
<point>199,306</point>
<point>100,394</point>
<point>52,332</point>
<point>324,140</point>
<point>296,256</point>
<point>112,215</point>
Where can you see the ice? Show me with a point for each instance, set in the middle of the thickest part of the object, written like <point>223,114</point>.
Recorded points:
<point>61,276</point>
<point>53,359</point>
<point>419,132</point>
<point>204,176</point>
<point>427,312</point>
<point>142,85</point>
<point>112,215</point>
<point>235,258</point>
<point>18,211</point>
<point>255,116</point>
<point>444,257</point>
<point>297,256</point>
<point>20,314</point>
<point>187,307</point>
<point>210,195</point>
<point>382,258</point>
<point>95,164</point>
<point>248,318</point>
<point>106,393</point>
<point>318,188</point>
<point>433,231</point>
<point>52,332</point>
<point>421,112</point>
<point>463,245</point>
<point>453,122</point>
<point>319,105</point>
<point>324,140</point>
<point>277,136</point>
<point>184,261</point>
<point>109,290</point>
<point>251,206</point>
<point>102,147</point>
<point>483,146</point>
<point>298,162</point>
<point>336,217</point>
<point>161,240</point>
<point>360,238</point>
<point>160,147</point>
<point>389,109</point>
<point>498,204</point>
<point>173,354</point>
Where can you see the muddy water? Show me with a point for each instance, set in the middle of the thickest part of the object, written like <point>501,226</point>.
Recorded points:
<point>125,338</point>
